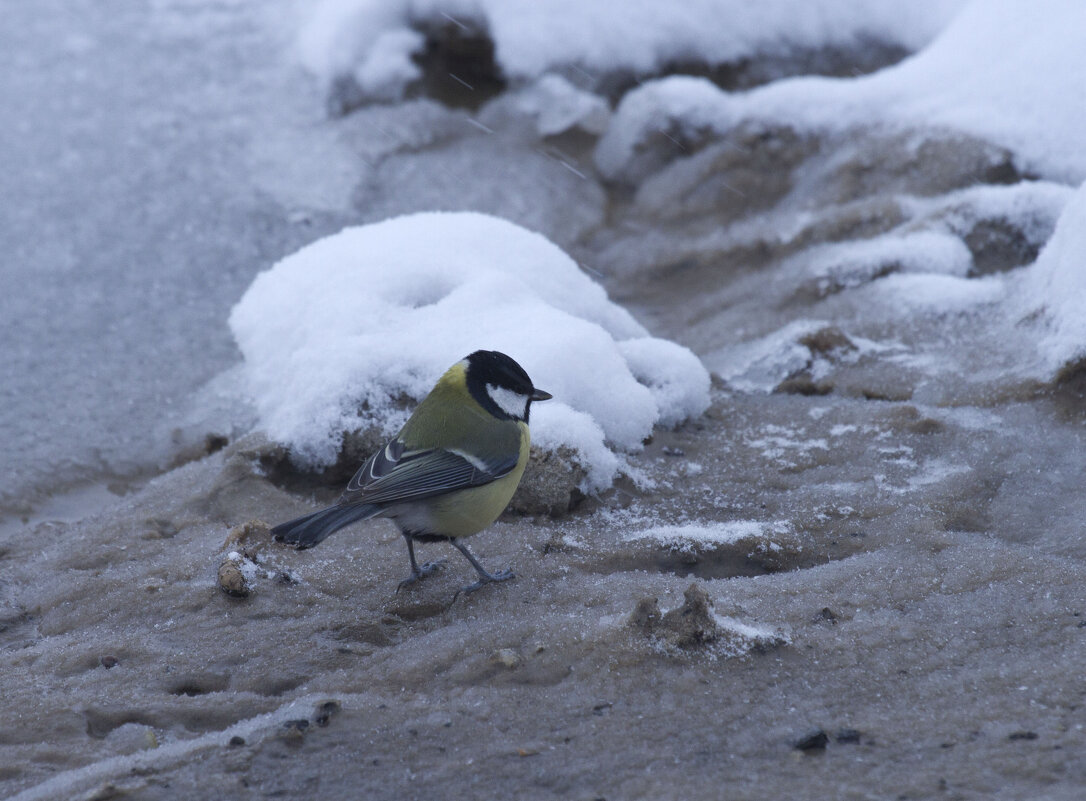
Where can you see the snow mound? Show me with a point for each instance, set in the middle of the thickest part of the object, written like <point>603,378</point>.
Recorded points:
<point>1028,97</point>
<point>855,263</point>
<point>337,334</point>
<point>351,37</point>
<point>1055,289</point>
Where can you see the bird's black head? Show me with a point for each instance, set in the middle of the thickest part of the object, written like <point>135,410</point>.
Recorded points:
<point>501,386</point>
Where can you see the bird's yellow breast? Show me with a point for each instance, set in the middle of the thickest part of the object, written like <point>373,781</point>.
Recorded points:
<point>469,511</point>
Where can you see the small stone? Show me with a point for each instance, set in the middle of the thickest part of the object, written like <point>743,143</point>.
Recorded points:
<point>237,740</point>
<point>803,384</point>
<point>232,580</point>
<point>827,615</point>
<point>814,740</point>
<point>295,730</point>
<point>108,661</point>
<point>507,657</point>
<point>213,443</point>
<point>828,340</point>
<point>326,712</point>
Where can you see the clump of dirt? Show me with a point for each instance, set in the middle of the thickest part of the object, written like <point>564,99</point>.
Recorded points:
<point>688,626</point>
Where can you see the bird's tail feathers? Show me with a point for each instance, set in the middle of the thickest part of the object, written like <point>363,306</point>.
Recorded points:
<point>306,531</point>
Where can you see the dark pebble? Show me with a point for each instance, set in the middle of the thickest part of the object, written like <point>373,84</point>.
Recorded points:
<point>814,740</point>
<point>327,710</point>
<point>827,615</point>
<point>237,740</point>
<point>108,661</point>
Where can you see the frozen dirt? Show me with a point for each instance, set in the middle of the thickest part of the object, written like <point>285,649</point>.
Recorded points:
<point>860,574</point>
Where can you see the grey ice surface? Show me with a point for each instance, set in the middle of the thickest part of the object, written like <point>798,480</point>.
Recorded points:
<point>921,603</point>
<point>148,174</point>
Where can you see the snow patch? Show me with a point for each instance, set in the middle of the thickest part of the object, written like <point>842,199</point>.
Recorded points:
<point>688,537</point>
<point>336,333</point>
<point>760,365</point>
<point>1028,97</point>
<point>1053,290</point>
<point>849,264</point>
<point>939,294</point>
<point>639,36</point>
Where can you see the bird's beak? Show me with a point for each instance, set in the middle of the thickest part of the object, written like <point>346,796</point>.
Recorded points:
<point>538,395</point>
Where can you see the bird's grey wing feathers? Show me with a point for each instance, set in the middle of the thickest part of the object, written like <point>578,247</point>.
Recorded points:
<point>379,465</point>
<point>396,474</point>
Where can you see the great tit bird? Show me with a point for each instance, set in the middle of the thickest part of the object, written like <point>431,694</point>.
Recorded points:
<point>450,471</point>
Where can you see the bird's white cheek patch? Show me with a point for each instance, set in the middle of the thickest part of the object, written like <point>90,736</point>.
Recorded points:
<point>512,403</point>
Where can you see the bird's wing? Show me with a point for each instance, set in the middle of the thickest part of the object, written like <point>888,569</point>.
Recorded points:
<point>396,474</point>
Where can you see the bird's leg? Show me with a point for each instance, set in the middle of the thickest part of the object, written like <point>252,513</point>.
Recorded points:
<point>484,577</point>
<point>416,571</point>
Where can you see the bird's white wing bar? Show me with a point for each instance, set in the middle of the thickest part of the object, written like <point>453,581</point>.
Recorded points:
<point>419,474</point>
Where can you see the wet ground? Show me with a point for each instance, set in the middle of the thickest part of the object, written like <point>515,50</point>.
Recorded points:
<point>909,594</point>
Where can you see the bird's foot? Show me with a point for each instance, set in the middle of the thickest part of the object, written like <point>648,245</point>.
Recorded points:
<point>484,579</point>
<point>421,573</point>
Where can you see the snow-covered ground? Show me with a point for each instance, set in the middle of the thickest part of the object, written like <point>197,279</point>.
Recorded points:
<point>1001,70</point>
<point>362,38</point>
<point>805,280</point>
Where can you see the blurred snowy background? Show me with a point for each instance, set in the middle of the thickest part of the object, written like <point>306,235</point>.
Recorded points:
<point>161,155</point>
<point>864,220</point>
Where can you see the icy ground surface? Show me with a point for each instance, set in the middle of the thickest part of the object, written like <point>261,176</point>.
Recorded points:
<point>861,573</point>
<point>153,162</point>
<point>893,567</point>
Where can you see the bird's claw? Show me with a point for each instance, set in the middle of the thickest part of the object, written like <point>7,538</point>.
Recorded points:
<point>484,579</point>
<point>423,571</point>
